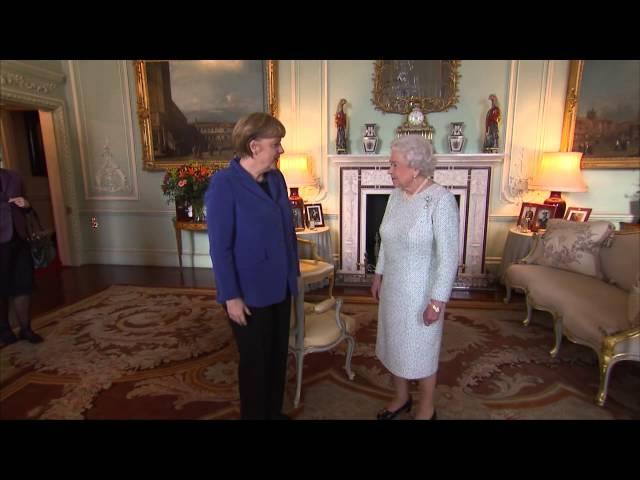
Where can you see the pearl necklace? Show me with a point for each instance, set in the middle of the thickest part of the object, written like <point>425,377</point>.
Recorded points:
<point>408,196</point>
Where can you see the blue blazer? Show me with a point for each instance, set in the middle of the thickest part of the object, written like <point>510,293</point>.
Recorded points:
<point>252,239</point>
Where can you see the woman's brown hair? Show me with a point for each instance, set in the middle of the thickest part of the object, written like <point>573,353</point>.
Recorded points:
<point>255,125</point>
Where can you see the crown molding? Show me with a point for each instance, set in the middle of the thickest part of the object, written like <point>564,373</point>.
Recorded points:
<point>30,78</point>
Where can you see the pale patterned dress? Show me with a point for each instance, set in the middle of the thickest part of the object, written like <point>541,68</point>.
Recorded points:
<point>418,259</point>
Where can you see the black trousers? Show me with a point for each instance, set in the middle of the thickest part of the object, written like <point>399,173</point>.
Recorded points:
<point>263,346</point>
<point>16,268</point>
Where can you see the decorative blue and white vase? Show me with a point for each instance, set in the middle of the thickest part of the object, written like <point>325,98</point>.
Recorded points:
<point>456,139</point>
<point>370,139</point>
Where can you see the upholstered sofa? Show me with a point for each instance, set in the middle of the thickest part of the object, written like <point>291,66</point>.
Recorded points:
<point>588,277</point>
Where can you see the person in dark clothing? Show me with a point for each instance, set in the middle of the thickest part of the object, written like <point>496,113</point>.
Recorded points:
<point>16,264</point>
<point>253,249</point>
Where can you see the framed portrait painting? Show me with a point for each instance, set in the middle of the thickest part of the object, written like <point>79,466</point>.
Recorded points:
<point>602,113</point>
<point>576,214</point>
<point>187,108</point>
<point>315,217</point>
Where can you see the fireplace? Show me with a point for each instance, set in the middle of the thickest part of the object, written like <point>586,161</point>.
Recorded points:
<point>364,188</point>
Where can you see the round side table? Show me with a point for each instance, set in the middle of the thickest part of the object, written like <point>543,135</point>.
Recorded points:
<point>517,246</point>
<point>321,236</point>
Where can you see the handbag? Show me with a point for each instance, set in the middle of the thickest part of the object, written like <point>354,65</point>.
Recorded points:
<point>43,249</point>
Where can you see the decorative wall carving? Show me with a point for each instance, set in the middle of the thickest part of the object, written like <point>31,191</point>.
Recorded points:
<point>19,81</point>
<point>110,178</point>
<point>109,173</point>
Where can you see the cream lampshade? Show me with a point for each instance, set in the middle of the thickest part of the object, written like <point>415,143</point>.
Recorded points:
<point>295,168</point>
<point>559,172</point>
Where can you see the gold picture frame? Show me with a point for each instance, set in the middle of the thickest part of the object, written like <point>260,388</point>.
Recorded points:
<point>573,98</point>
<point>390,96</point>
<point>213,141</point>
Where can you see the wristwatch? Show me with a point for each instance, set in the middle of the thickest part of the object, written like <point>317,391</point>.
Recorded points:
<point>435,308</point>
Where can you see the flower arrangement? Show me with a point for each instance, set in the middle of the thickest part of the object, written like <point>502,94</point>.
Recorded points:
<point>186,185</point>
<point>187,182</point>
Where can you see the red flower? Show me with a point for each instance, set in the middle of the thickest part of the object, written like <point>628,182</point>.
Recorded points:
<point>187,181</point>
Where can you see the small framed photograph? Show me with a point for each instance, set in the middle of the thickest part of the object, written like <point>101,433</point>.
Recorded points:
<point>527,216</point>
<point>576,214</point>
<point>544,213</point>
<point>298,218</point>
<point>315,218</point>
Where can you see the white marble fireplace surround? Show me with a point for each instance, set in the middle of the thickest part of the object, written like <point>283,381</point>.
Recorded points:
<point>466,175</point>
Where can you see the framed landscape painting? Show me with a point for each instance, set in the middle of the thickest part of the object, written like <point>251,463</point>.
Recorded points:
<point>187,108</point>
<point>602,113</point>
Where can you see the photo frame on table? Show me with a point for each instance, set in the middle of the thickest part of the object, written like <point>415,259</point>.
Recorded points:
<point>298,218</point>
<point>544,213</point>
<point>577,214</point>
<point>527,216</point>
<point>314,214</point>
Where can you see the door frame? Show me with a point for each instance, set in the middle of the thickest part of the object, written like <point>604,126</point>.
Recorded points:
<point>28,87</point>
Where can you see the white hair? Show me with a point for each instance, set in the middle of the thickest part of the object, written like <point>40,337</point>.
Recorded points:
<point>418,152</point>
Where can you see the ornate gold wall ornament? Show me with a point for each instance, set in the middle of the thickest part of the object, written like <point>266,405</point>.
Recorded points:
<point>399,84</point>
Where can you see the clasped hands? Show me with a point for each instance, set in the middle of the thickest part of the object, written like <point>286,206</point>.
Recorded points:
<point>20,202</point>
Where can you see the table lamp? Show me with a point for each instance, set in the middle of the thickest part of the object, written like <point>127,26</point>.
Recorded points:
<point>559,172</point>
<point>295,168</point>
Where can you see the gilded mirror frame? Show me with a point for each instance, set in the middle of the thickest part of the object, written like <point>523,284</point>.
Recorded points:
<point>576,72</point>
<point>389,103</point>
<point>270,82</point>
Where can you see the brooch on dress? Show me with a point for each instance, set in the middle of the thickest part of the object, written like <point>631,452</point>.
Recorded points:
<point>427,201</point>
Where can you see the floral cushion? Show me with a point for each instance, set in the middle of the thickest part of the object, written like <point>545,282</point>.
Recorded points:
<point>571,246</point>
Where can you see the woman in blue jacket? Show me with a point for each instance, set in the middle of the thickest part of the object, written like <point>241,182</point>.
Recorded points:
<point>253,249</point>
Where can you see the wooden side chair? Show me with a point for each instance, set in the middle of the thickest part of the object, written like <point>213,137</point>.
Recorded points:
<point>318,327</point>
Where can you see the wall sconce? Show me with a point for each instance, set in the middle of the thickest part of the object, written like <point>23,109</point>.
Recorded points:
<point>559,172</point>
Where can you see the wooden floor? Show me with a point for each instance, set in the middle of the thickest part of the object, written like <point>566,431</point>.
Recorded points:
<point>58,287</point>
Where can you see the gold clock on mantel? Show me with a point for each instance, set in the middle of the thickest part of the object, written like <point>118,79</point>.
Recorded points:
<point>416,124</point>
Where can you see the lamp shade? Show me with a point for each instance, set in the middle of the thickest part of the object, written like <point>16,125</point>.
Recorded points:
<point>295,168</point>
<point>559,172</point>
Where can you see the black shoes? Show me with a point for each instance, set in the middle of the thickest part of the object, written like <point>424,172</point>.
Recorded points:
<point>8,337</point>
<point>385,414</point>
<point>30,336</point>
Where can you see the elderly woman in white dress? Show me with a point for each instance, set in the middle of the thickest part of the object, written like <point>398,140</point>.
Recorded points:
<point>416,268</point>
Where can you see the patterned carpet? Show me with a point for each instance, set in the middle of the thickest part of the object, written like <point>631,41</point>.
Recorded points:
<point>168,353</point>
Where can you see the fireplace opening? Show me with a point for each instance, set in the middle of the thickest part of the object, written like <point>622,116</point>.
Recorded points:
<point>376,204</point>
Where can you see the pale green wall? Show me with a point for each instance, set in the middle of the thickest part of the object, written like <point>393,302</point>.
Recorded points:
<point>139,231</point>
<point>311,89</point>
